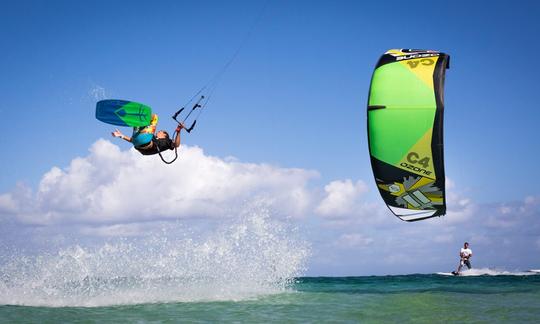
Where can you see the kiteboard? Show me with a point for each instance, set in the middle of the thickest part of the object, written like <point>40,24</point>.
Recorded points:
<point>453,273</point>
<point>123,113</point>
<point>490,272</point>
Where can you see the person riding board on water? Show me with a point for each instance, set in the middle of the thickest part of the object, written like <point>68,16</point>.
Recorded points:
<point>144,140</point>
<point>465,254</point>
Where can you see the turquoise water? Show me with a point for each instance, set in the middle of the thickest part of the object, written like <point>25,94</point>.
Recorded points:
<point>389,299</point>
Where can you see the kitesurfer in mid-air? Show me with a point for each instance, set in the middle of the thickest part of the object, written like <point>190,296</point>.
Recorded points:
<point>465,254</point>
<point>144,140</point>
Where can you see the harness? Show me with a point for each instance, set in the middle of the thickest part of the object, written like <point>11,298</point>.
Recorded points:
<point>161,156</point>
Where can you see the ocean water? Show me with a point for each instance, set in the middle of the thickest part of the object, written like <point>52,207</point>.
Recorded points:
<point>416,298</point>
<point>248,270</point>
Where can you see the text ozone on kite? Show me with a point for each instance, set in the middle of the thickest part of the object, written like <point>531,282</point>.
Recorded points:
<point>405,131</point>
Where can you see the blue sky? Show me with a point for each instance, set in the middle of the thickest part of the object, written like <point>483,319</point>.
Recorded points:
<point>293,99</point>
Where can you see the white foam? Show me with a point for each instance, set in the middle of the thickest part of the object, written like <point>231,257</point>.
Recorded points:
<point>490,272</point>
<point>253,256</point>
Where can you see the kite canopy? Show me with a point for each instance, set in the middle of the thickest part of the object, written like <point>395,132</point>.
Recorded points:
<point>405,131</point>
<point>123,113</point>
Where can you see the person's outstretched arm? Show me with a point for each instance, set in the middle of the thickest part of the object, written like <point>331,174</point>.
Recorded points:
<point>177,138</point>
<point>118,133</point>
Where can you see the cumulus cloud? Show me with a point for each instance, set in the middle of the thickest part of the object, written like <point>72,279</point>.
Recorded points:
<point>120,230</point>
<point>112,186</point>
<point>399,259</point>
<point>113,192</point>
<point>7,204</point>
<point>508,215</point>
<point>345,204</point>
<point>459,208</point>
<point>342,198</point>
<point>443,238</point>
<point>530,204</point>
<point>353,241</point>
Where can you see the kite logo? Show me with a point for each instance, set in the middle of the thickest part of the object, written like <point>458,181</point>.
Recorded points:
<point>413,56</point>
<point>414,158</point>
<point>416,199</point>
<point>426,62</point>
<point>415,168</point>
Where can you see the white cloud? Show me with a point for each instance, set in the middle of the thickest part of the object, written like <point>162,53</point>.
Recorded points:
<point>450,184</point>
<point>353,241</point>
<point>7,204</point>
<point>505,209</point>
<point>459,208</point>
<point>509,215</point>
<point>399,259</point>
<point>112,186</point>
<point>531,200</point>
<point>481,239</point>
<point>499,222</point>
<point>111,192</point>
<point>531,203</point>
<point>443,238</point>
<point>342,198</point>
<point>119,230</point>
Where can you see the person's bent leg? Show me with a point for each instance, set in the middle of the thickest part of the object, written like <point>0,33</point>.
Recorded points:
<point>460,266</point>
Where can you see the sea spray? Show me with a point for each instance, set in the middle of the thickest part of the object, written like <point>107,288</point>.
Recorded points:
<point>494,272</point>
<point>245,257</point>
<point>97,93</point>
